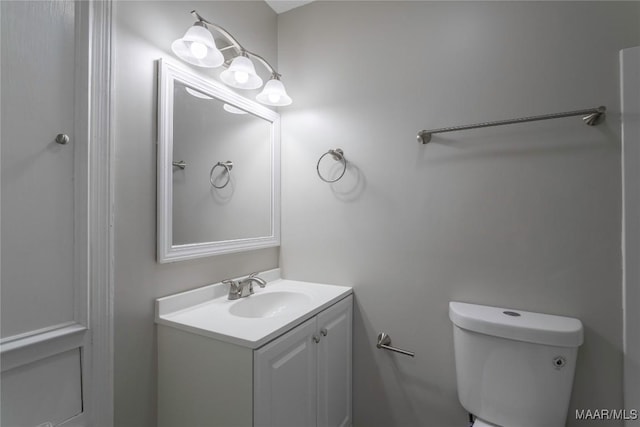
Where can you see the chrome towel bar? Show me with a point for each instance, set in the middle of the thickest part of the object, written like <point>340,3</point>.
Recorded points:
<point>384,342</point>
<point>591,117</point>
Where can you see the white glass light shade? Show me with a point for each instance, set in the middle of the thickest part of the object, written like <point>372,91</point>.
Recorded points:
<point>198,48</point>
<point>241,74</point>
<point>274,94</point>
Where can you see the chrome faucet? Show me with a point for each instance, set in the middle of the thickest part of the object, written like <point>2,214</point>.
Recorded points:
<point>243,287</point>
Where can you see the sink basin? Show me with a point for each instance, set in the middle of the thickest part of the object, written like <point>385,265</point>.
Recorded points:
<point>270,304</point>
<point>252,321</point>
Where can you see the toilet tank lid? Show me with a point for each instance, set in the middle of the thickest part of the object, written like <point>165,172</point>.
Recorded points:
<point>517,325</point>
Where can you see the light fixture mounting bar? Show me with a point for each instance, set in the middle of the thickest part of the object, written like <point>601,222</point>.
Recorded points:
<point>235,43</point>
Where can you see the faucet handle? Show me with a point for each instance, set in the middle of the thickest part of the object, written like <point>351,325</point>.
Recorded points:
<point>234,288</point>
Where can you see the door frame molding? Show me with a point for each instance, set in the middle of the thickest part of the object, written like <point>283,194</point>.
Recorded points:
<point>630,125</point>
<point>101,215</point>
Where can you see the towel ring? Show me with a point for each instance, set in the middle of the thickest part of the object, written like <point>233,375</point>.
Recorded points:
<point>338,155</point>
<point>228,165</point>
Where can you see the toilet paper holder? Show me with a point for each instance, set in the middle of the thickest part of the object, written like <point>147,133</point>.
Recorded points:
<point>384,342</point>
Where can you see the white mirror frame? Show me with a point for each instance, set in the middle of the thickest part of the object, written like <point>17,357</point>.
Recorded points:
<point>168,73</point>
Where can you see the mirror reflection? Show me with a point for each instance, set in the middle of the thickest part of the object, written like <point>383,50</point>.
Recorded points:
<point>214,200</point>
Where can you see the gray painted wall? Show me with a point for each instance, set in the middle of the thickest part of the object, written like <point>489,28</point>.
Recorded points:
<point>143,33</point>
<point>525,216</point>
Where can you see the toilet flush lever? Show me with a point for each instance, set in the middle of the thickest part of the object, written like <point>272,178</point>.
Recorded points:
<point>384,342</point>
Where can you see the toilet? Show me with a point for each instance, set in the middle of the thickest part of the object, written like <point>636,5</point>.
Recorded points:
<point>514,368</point>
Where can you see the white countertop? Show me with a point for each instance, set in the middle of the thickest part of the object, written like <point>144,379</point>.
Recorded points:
<point>206,311</point>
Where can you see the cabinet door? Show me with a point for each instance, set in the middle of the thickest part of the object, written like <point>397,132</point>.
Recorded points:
<point>285,380</point>
<point>334,365</point>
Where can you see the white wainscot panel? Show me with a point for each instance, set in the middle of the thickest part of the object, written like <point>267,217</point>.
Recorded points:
<point>48,390</point>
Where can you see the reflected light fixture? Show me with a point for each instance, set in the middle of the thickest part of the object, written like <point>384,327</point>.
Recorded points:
<point>198,47</point>
<point>196,93</point>
<point>234,110</point>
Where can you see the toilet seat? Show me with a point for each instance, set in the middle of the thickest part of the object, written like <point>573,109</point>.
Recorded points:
<point>481,423</point>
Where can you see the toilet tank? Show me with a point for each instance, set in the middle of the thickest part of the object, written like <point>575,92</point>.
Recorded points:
<point>514,368</point>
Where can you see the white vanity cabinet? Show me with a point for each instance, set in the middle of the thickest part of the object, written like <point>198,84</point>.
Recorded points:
<point>301,378</point>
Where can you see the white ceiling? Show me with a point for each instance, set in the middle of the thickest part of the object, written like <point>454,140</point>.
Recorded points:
<point>281,6</point>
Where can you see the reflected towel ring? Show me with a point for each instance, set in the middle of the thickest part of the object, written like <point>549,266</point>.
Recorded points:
<point>338,155</point>
<point>228,165</point>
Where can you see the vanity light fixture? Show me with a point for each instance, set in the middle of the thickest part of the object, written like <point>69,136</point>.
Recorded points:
<point>241,73</point>
<point>197,47</point>
<point>274,93</point>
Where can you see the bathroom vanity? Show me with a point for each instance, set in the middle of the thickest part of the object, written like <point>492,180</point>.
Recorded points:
<point>280,357</point>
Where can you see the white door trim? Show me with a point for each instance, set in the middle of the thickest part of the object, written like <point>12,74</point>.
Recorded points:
<point>100,401</point>
<point>630,107</point>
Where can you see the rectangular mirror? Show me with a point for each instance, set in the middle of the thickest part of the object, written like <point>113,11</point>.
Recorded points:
<point>218,168</point>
